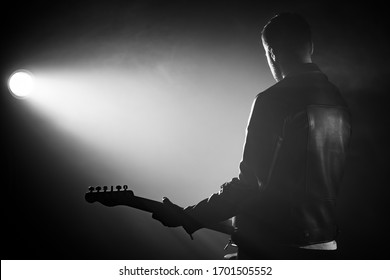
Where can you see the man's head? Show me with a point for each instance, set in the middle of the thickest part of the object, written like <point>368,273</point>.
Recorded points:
<point>287,41</point>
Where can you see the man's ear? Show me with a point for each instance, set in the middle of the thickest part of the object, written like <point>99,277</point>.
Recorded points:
<point>272,54</point>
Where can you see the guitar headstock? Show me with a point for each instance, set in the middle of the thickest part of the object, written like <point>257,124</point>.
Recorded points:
<point>108,196</point>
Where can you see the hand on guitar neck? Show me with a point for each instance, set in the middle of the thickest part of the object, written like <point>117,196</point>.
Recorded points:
<point>170,215</point>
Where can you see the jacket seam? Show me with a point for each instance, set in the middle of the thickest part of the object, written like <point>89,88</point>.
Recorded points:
<point>307,151</point>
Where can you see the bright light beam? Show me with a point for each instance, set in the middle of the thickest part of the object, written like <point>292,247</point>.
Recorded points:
<point>21,83</point>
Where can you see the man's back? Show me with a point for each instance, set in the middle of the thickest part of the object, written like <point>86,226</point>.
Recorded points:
<point>294,153</point>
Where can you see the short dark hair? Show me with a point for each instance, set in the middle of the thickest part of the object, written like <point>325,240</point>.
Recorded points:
<point>287,31</point>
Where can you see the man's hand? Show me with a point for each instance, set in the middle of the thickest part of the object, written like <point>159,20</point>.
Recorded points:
<point>170,215</point>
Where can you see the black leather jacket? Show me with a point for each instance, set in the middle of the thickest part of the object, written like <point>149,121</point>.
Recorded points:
<point>292,166</point>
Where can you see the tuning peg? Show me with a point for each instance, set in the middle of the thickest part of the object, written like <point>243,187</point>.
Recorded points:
<point>98,188</point>
<point>91,189</point>
<point>112,188</point>
<point>118,188</point>
<point>105,188</point>
<point>125,187</point>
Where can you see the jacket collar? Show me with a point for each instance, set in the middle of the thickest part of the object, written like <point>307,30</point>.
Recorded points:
<point>304,68</point>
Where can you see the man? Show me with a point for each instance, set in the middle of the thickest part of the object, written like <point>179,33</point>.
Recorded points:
<point>284,198</point>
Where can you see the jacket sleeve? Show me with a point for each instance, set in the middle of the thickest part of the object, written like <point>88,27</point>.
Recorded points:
<point>254,169</point>
<point>264,130</point>
<point>218,207</point>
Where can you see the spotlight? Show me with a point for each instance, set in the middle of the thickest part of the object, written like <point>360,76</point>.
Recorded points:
<point>21,83</point>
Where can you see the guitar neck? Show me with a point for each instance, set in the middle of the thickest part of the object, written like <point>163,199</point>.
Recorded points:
<point>127,198</point>
<point>144,204</point>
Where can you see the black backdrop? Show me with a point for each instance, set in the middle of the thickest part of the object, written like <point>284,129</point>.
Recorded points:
<point>351,47</point>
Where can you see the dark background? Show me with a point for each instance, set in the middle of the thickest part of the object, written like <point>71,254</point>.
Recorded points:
<point>38,217</point>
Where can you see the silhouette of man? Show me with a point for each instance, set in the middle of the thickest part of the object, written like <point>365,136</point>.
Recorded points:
<point>283,201</point>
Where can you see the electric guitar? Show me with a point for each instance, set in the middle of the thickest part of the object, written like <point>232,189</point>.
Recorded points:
<point>123,196</point>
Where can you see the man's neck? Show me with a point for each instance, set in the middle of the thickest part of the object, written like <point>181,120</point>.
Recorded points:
<point>291,67</point>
